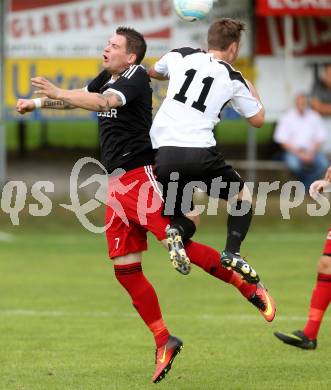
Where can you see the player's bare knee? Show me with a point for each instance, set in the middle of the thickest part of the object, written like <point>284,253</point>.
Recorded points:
<point>324,265</point>
<point>128,259</point>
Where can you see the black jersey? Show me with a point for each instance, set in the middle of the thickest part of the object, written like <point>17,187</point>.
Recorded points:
<point>124,131</point>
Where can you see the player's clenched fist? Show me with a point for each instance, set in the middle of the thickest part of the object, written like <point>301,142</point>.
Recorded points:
<point>45,87</point>
<point>25,105</point>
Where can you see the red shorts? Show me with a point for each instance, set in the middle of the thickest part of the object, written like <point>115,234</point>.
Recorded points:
<point>134,207</point>
<point>327,246</point>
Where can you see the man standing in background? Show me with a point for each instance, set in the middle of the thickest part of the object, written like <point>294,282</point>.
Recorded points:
<point>301,133</point>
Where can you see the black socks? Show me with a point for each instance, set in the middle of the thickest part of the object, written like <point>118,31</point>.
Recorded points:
<point>239,220</point>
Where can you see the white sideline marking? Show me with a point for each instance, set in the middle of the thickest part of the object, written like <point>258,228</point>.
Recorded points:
<point>203,317</point>
<point>6,237</point>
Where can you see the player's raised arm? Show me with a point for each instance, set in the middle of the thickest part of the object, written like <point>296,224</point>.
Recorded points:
<point>159,70</point>
<point>86,100</point>
<point>28,105</point>
<point>156,75</point>
<point>246,101</point>
<point>258,119</point>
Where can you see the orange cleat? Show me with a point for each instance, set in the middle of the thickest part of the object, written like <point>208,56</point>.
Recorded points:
<point>264,302</point>
<point>164,356</point>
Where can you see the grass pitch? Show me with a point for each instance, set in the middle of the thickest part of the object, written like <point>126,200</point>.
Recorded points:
<point>65,322</point>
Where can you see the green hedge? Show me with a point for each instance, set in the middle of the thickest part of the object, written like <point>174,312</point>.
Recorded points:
<point>85,134</point>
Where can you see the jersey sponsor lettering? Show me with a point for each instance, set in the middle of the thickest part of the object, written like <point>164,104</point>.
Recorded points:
<point>109,114</point>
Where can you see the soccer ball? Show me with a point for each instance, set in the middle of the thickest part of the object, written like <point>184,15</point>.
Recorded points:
<point>192,10</point>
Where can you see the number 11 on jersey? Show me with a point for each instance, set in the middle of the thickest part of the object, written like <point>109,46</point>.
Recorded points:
<point>198,104</point>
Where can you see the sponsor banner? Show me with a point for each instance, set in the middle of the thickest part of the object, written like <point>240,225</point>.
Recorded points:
<point>63,40</point>
<point>18,5</point>
<point>294,7</point>
<point>68,28</point>
<point>71,74</point>
<point>66,73</point>
<point>291,72</point>
<point>81,28</point>
<point>311,36</point>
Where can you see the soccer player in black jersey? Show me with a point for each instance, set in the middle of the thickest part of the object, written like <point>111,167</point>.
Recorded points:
<point>122,96</point>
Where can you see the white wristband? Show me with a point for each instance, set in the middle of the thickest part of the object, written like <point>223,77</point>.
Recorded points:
<point>37,102</point>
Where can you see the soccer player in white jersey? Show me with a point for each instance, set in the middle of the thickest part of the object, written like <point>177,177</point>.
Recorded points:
<point>201,84</point>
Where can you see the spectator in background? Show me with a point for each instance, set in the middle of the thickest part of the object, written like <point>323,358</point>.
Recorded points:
<point>301,133</point>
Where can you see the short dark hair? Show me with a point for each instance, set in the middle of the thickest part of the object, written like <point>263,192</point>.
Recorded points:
<point>223,32</point>
<point>135,42</point>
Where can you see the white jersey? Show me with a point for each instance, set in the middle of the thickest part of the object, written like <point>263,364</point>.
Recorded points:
<point>199,88</point>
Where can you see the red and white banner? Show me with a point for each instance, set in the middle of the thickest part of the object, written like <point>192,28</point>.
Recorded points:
<point>72,28</point>
<point>293,7</point>
<point>81,28</point>
<point>311,36</point>
<point>64,40</point>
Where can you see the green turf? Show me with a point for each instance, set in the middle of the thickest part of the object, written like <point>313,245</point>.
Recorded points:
<point>85,134</point>
<point>236,132</point>
<point>59,134</point>
<point>65,323</point>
